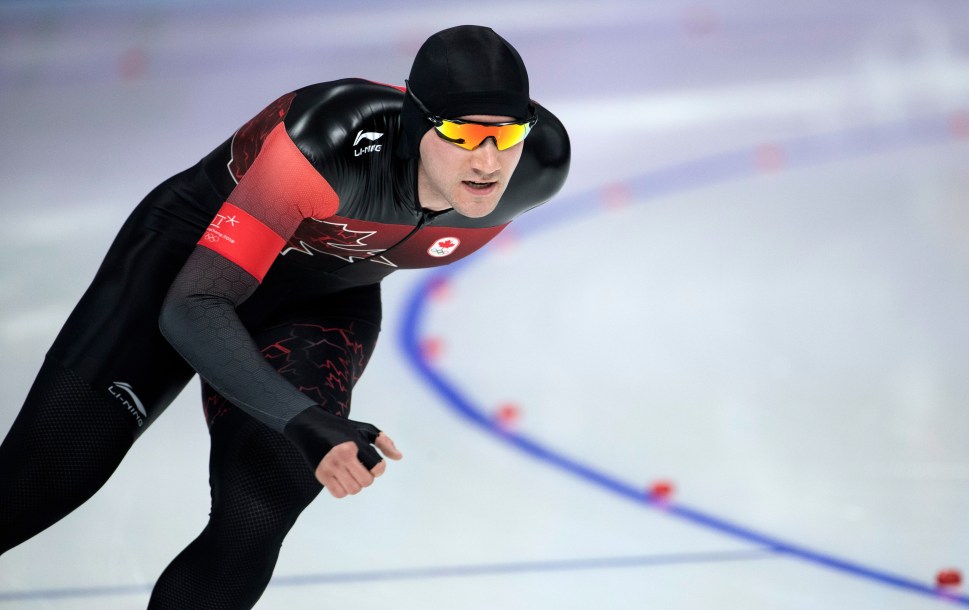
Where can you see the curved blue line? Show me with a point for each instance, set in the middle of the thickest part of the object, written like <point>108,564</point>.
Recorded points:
<point>698,173</point>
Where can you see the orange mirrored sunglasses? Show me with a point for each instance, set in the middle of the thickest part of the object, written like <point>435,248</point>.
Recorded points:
<point>470,135</point>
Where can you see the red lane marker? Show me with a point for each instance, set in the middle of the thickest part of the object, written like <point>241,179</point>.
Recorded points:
<point>505,241</point>
<point>959,124</point>
<point>616,196</point>
<point>662,490</point>
<point>700,20</point>
<point>440,289</point>
<point>133,64</point>
<point>432,348</point>
<point>948,578</point>
<point>507,414</point>
<point>769,158</point>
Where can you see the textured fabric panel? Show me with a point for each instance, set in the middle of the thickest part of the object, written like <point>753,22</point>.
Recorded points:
<point>65,443</point>
<point>260,485</point>
<point>260,482</point>
<point>200,321</point>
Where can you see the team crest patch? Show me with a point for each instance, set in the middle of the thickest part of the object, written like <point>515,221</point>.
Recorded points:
<point>444,246</point>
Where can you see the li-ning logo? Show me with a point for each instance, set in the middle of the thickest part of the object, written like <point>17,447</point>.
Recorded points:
<point>444,247</point>
<point>123,392</point>
<point>373,136</point>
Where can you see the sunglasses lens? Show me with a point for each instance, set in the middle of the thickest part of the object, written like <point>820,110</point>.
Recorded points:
<point>471,135</point>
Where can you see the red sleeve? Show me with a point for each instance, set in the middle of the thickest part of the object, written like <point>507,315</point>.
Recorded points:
<point>279,190</point>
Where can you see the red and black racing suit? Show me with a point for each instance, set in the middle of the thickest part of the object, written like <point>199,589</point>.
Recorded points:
<point>262,265</point>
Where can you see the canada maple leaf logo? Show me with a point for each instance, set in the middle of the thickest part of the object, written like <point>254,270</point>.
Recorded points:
<point>444,247</point>
<point>337,239</point>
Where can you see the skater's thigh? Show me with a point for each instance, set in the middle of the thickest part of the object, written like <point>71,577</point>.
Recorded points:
<point>111,339</point>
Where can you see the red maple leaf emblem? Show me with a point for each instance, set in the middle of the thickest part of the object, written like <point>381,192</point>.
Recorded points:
<point>446,243</point>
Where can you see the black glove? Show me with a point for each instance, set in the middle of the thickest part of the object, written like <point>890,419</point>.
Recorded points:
<point>315,431</point>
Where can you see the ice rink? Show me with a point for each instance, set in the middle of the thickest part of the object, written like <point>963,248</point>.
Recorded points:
<point>753,288</point>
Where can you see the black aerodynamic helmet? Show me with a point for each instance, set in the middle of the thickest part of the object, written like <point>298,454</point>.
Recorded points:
<point>468,69</point>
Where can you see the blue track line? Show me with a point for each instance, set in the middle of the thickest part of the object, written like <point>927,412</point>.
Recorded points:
<point>450,571</point>
<point>521,567</point>
<point>703,172</point>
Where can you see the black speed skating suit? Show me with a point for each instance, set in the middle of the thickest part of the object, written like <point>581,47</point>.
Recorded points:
<point>283,315</point>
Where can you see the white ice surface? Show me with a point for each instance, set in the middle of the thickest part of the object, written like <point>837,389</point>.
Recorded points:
<point>788,346</point>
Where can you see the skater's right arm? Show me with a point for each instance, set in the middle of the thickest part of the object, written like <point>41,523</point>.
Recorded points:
<point>199,317</point>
